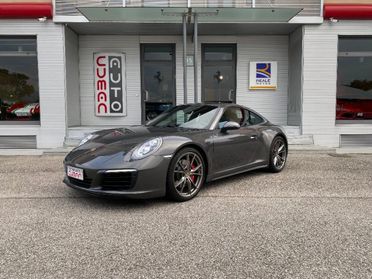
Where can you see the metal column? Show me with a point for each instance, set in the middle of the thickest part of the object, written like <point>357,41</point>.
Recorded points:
<point>184,22</point>
<point>195,58</point>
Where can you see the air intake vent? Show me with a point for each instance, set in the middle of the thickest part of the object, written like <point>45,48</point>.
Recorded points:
<point>118,180</point>
<point>356,140</point>
<point>17,142</point>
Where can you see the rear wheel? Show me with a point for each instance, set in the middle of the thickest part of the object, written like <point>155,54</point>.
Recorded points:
<point>186,175</point>
<point>278,154</point>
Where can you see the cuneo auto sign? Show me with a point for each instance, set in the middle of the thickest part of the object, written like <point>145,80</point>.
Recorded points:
<point>109,84</point>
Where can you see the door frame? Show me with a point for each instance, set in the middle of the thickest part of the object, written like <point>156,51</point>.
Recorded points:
<point>142,51</point>
<point>203,46</point>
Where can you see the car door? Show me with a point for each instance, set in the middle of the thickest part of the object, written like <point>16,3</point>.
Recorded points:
<point>252,123</point>
<point>233,149</point>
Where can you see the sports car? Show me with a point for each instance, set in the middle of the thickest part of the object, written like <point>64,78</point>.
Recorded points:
<point>174,154</point>
<point>27,110</point>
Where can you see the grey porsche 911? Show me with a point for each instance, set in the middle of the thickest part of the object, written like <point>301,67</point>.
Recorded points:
<point>174,154</point>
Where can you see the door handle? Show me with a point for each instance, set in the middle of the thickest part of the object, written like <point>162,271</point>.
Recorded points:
<point>146,95</point>
<point>253,137</point>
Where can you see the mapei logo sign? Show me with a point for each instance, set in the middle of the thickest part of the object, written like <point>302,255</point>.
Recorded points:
<point>109,84</point>
<point>263,75</point>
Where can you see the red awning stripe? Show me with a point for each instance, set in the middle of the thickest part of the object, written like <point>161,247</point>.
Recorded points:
<point>352,11</point>
<point>26,10</point>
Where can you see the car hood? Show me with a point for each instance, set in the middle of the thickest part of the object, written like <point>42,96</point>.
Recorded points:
<point>113,144</point>
<point>128,137</point>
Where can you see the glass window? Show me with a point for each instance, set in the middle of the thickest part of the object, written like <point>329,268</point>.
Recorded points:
<point>19,81</point>
<point>234,114</point>
<point>218,53</point>
<point>186,116</point>
<point>252,118</point>
<point>354,79</point>
<point>158,53</point>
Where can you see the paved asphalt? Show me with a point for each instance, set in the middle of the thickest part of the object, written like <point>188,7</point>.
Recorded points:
<point>313,220</point>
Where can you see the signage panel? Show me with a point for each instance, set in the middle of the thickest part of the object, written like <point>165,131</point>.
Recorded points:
<point>109,84</point>
<point>263,75</point>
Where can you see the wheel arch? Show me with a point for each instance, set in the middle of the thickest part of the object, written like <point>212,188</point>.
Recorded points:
<point>281,134</point>
<point>200,150</point>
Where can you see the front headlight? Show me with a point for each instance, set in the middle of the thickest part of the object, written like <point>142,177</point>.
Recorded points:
<point>147,148</point>
<point>86,139</point>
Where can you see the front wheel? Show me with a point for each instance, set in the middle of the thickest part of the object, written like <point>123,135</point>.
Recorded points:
<point>186,175</point>
<point>278,154</point>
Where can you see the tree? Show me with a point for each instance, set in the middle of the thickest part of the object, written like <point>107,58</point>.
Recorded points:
<point>14,86</point>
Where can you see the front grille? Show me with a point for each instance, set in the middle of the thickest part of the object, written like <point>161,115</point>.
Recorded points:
<point>118,180</point>
<point>86,183</point>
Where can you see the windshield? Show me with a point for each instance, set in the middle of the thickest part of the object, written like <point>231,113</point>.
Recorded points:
<point>186,116</point>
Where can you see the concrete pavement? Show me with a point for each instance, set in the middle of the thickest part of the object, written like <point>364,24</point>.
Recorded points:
<point>313,220</point>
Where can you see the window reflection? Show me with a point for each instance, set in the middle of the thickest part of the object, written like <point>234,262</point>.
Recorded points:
<point>19,90</point>
<point>354,79</point>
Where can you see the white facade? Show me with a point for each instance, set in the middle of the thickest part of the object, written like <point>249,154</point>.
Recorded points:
<point>320,51</point>
<point>271,103</point>
<point>305,97</point>
<point>51,66</point>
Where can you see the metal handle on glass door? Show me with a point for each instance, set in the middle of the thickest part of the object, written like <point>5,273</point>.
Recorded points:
<point>146,95</point>
<point>230,94</point>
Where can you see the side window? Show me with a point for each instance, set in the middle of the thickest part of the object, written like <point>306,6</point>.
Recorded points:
<point>231,114</point>
<point>252,118</point>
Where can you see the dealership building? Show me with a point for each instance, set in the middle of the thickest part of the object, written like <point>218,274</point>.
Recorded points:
<point>68,68</point>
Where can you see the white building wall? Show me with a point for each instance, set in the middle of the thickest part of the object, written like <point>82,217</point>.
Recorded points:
<point>272,104</point>
<point>50,48</point>
<point>129,45</point>
<point>320,78</point>
<point>295,78</point>
<point>72,78</point>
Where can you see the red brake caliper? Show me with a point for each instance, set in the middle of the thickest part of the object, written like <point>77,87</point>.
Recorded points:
<point>193,177</point>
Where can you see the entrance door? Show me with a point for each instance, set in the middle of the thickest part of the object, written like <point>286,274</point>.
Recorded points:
<point>219,73</point>
<point>157,79</point>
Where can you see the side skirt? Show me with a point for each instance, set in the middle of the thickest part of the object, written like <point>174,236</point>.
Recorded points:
<point>236,172</point>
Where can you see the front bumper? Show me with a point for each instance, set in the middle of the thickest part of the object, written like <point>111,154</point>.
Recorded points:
<point>141,179</point>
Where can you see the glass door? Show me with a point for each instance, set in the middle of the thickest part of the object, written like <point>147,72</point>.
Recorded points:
<point>157,79</point>
<point>219,73</point>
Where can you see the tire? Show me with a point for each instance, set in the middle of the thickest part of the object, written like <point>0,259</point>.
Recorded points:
<point>278,154</point>
<point>186,175</point>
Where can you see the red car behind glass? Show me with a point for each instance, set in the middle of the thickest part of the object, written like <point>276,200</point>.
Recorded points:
<point>349,109</point>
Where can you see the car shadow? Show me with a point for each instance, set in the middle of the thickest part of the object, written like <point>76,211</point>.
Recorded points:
<point>116,202</point>
<point>235,178</point>
<point>138,204</point>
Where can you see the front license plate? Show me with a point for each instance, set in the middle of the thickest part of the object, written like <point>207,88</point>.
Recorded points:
<point>75,173</point>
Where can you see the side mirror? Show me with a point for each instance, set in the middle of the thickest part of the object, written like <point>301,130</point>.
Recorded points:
<point>230,125</point>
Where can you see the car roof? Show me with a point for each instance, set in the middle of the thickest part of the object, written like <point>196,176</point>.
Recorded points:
<point>219,104</point>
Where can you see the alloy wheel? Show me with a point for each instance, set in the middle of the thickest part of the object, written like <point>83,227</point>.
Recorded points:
<point>188,174</point>
<point>279,155</point>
